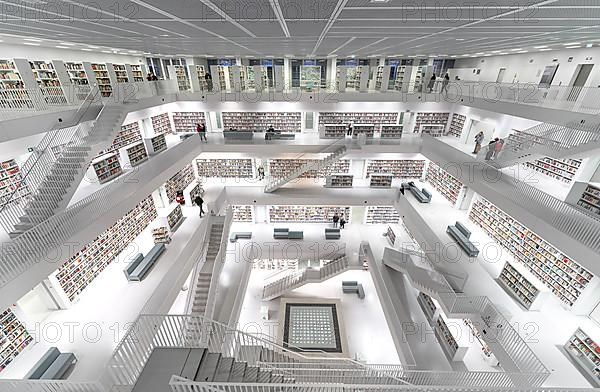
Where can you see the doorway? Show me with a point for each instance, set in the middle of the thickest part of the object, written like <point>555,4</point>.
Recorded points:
<point>500,77</point>
<point>580,77</point>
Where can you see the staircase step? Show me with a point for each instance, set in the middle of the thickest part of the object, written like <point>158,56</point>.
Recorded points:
<point>266,355</point>
<point>208,367</point>
<point>237,373</point>
<point>224,370</point>
<point>264,376</point>
<point>277,379</point>
<point>193,363</point>
<point>251,374</point>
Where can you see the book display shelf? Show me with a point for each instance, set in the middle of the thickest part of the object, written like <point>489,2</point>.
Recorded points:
<point>367,129</point>
<point>11,181</point>
<point>161,235</point>
<point>456,125</point>
<point>137,73</point>
<point>107,167</point>
<point>129,133</point>
<point>403,168</point>
<point>80,270</point>
<point>486,351</point>
<point>102,79</point>
<point>243,214</point>
<point>225,168</point>
<point>121,73</point>
<point>307,214</point>
<point>275,264</point>
<point>562,275</point>
<point>590,199</point>
<point>381,214</point>
<point>161,124</point>
<point>379,77</point>
<point>560,169</point>
<point>446,338</point>
<point>179,181</point>
<point>158,143</point>
<point>381,180</point>
<point>197,190</point>
<point>391,131</point>
<point>431,122</point>
<point>429,307</point>
<point>521,137</point>
<point>46,76</point>
<point>221,77</point>
<point>444,182</point>
<point>339,180</point>
<point>175,218</point>
<point>12,95</point>
<point>182,80</point>
<point>136,154</point>
<point>399,82</point>
<point>518,286</point>
<point>288,122</point>
<point>201,75</point>
<point>187,121</point>
<point>77,74</point>
<point>344,118</point>
<point>280,168</point>
<point>13,338</point>
<point>390,235</point>
<point>586,354</point>
<point>419,79</point>
<point>332,131</point>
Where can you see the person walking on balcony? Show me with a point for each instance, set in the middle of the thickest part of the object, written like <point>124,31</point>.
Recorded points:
<point>336,219</point>
<point>498,147</point>
<point>201,129</point>
<point>478,141</point>
<point>445,83</point>
<point>199,202</point>
<point>491,149</point>
<point>342,222</point>
<point>431,83</point>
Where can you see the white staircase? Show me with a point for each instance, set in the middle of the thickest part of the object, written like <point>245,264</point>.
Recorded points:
<point>308,275</point>
<point>545,140</point>
<point>204,279</point>
<point>57,166</point>
<point>337,153</point>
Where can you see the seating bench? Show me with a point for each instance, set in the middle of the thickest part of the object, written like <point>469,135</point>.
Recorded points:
<point>133,265</point>
<point>353,287</point>
<point>423,196</point>
<point>238,135</point>
<point>295,235</point>
<point>53,365</point>
<point>240,235</point>
<point>280,233</point>
<point>147,263</point>
<point>279,136</point>
<point>461,235</point>
<point>332,234</point>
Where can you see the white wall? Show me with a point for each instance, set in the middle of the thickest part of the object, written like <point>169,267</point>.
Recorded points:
<point>9,51</point>
<point>528,67</point>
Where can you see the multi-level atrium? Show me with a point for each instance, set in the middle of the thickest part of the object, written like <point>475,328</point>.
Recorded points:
<point>256,196</point>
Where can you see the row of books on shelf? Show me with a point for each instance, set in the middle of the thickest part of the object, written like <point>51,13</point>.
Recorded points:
<point>13,338</point>
<point>180,181</point>
<point>444,182</point>
<point>261,121</point>
<point>590,199</point>
<point>225,168</point>
<point>307,214</point>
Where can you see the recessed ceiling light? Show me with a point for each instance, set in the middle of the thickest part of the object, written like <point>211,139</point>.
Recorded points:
<point>479,54</point>
<point>466,55</point>
<point>106,51</point>
<point>522,51</point>
<point>588,45</point>
<point>540,47</point>
<point>545,49</point>
<point>503,53</point>
<point>380,1</point>
<point>516,50</point>
<point>86,49</point>
<point>453,56</point>
<point>67,44</point>
<point>30,44</point>
<point>496,51</point>
<point>573,47</point>
<point>572,43</point>
<point>93,47</point>
<point>460,39</point>
<point>164,35</point>
<point>61,47</point>
<point>487,55</point>
<point>32,39</point>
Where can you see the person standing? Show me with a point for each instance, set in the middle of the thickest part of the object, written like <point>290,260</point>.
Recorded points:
<point>445,83</point>
<point>201,129</point>
<point>478,141</point>
<point>342,222</point>
<point>431,83</point>
<point>336,219</point>
<point>498,147</point>
<point>349,129</point>
<point>261,173</point>
<point>491,149</point>
<point>199,202</point>
<point>208,79</point>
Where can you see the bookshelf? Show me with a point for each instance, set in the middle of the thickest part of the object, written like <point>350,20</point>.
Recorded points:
<point>332,131</point>
<point>562,275</point>
<point>243,214</point>
<point>390,235</point>
<point>80,270</point>
<point>379,77</point>
<point>182,80</point>
<point>12,95</point>
<point>456,125</point>
<point>129,133</point>
<point>391,131</point>
<point>225,168</point>
<point>518,286</point>
<point>307,214</point>
<point>586,354</point>
<point>344,118</point>
<point>560,169</point>
<point>11,180</point>
<point>403,168</point>
<point>381,214</point>
<point>590,199</point>
<point>367,129</point>
<point>339,181</point>
<point>433,123</point>
<point>175,218</point>
<point>399,82</point>
<point>201,75</point>
<point>121,73</point>
<point>102,79</point>
<point>197,190</point>
<point>381,180</point>
<point>261,121</point>
<point>221,77</point>
<point>446,339</point>
<point>520,137</point>
<point>280,168</point>
<point>13,338</point>
<point>77,74</point>
<point>419,79</point>
<point>107,167</point>
<point>429,307</point>
<point>47,78</point>
<point>275,264</point>
<point>444,182</point>
<point>161,235</point>
<point>485,349</point>
<point>310,77</point>
<point>179,181</point>
<point>161,124</point>
<point>137,73</point>
<point>186,121</point>
<point>156,144</point>
<point>135,154</point>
